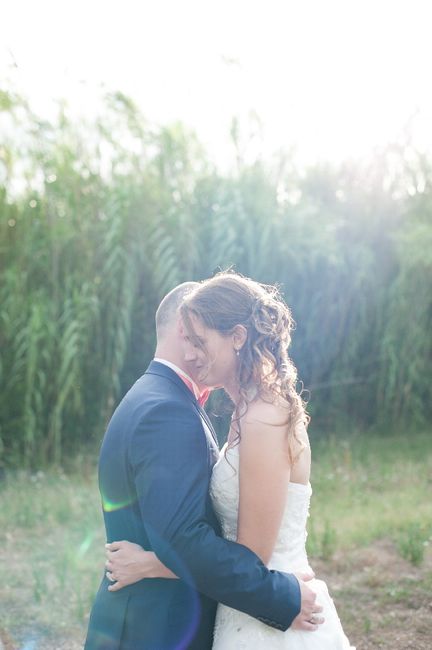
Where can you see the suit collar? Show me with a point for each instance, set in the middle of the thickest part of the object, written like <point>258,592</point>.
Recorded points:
<point>183,375</point>
<point>156,368</point>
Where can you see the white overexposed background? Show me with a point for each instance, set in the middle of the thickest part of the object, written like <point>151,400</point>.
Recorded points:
<point>330,79</point>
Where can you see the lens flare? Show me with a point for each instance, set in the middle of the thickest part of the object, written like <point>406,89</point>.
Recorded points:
<point>29,645</point>
<point>85,544</point>
<point>112,506</point>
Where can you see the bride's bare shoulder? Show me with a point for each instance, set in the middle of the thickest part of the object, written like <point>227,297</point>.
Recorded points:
<point>260,412</point>
<point>264,417</point>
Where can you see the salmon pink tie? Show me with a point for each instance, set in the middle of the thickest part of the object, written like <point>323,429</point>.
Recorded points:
<point>200,397</point>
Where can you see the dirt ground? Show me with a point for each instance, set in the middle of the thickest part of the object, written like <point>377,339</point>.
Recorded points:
<point>383,601</point>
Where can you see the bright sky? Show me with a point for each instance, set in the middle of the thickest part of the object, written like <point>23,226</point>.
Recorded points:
<point>331,77</point>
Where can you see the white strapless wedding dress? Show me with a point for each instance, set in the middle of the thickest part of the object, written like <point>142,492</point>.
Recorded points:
<point>235,630</point>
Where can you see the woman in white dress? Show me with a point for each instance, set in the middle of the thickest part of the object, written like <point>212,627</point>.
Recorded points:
<point>237,334</point>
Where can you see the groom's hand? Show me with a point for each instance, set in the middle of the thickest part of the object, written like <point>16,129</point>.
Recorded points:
<point>124,564</point>
<point>128,563</point>
<point>309,618</point>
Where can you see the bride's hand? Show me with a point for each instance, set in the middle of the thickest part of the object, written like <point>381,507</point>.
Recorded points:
<point>128,563</point>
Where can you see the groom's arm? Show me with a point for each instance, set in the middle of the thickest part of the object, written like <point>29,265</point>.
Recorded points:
<point>168,455</point>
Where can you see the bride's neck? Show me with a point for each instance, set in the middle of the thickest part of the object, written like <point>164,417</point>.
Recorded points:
<point>233,390</point>
<point>232,387</point>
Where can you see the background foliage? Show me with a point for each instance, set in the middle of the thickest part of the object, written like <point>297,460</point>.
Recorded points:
<point>99,220</point>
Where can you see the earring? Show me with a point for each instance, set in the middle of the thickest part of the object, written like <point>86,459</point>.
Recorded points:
<point>238,353</point>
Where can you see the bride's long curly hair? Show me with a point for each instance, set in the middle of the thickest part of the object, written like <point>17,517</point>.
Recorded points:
<point>264,369</point>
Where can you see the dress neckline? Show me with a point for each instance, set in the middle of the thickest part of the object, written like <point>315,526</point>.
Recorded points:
<point>291,484</point>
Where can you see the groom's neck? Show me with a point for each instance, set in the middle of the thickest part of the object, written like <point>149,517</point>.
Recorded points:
<point>170,353</point>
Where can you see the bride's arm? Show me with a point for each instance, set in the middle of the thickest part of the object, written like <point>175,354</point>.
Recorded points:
<point>128,563</point>
<point>264,474</point>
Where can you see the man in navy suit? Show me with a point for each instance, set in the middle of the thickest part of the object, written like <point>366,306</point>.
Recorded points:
<point>154,472</point>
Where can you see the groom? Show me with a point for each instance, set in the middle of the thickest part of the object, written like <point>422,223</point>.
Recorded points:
<point>154,471</point>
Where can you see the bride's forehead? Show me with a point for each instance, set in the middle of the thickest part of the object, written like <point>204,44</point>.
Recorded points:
<point>198,325</point>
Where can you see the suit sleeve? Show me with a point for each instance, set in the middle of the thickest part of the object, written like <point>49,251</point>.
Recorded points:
<point>168,455</point>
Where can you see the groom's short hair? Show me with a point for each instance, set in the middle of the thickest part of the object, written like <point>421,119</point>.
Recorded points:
<point>167,310</point>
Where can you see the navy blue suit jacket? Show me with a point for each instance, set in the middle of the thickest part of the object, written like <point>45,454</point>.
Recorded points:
<point>154,471</point>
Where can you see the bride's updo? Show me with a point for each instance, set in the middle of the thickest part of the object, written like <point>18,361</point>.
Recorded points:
<point>264,368</point>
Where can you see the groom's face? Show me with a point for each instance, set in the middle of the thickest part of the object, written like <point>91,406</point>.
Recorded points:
<point>209,356</point>
<point>188,363</point>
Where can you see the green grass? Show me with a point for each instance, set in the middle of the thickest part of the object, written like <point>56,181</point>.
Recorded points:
<point>51,539</point>
<point>368,488</point>
<point>52,536</point>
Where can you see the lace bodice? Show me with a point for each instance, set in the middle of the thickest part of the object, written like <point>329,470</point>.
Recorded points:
<point>289,553</point>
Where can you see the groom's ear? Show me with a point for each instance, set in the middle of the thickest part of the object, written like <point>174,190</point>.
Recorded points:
<point>180,327</point>
<point>239,335</point>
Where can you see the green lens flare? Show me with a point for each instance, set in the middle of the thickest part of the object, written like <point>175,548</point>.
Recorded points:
<point>112,506</point>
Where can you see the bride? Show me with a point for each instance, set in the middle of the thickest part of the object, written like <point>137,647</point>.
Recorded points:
<point>236,334</point>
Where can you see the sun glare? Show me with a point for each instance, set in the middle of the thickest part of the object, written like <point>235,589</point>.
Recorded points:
<point>331,80</point>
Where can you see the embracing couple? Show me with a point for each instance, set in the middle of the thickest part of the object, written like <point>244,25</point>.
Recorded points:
<point>214,541</point>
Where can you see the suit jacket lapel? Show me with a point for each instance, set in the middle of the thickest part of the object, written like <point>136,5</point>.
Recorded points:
<point>207,421</point>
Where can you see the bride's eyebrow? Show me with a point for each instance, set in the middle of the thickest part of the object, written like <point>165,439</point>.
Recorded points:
<point>195,339</point>
<point>200,341</point>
